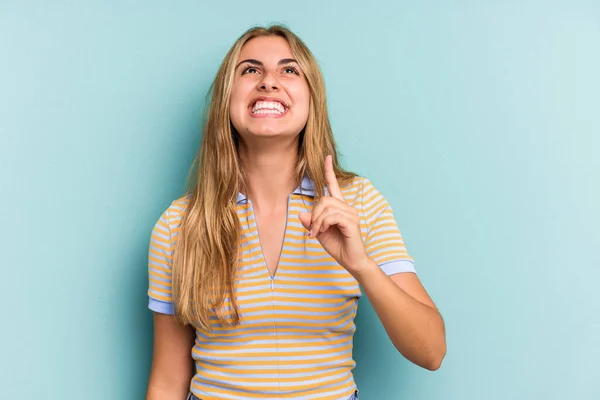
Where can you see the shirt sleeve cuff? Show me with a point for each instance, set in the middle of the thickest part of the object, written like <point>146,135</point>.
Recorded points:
<point>160,306</point>
<point>397,267</point>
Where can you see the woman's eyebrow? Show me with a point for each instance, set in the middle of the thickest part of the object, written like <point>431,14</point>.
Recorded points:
<point>287,61</point>
<point>260,64</point>
<point>250,61</point>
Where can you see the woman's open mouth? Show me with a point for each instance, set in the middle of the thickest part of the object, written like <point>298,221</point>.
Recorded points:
<point>264,108</point>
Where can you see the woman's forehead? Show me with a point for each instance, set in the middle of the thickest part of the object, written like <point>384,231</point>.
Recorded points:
<point>264,48</point>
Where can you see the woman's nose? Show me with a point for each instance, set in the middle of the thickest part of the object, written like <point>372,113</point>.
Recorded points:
<point>269,83</point>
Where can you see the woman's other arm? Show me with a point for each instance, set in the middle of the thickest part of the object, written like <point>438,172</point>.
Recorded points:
<point>172,364</point>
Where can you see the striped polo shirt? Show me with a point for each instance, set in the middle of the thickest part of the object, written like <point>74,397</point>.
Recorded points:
<point>294,340</point>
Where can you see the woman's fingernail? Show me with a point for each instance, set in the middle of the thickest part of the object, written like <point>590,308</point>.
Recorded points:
<point>309,233</point>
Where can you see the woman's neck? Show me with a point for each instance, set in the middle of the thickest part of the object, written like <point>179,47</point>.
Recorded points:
<point>270,173</point>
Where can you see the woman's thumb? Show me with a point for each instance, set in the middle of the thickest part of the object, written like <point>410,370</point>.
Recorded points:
<point>305,218</point>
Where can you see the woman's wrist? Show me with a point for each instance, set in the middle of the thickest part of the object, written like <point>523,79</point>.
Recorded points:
<point>364,270</point>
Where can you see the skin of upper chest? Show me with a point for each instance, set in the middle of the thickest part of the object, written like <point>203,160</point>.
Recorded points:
<point>271,231</point>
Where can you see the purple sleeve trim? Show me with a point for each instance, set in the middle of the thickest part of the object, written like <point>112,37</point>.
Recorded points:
<point>397,267</point>
<point>160,306</point>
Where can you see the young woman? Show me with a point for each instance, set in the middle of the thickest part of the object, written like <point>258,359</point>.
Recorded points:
<point>255,273</point>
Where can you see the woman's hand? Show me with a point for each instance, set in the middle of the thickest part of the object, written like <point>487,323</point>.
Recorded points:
<point>336,225</point>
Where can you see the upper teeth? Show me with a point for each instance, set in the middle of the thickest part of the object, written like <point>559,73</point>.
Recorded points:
<point>268,107</point>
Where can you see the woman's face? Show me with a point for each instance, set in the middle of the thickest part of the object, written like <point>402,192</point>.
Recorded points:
<point>270,95</point>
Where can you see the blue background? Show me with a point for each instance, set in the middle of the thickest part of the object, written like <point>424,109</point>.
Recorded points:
<point>479,121</point>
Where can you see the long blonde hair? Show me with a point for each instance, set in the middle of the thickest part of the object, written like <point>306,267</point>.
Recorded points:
<point>207,252</point>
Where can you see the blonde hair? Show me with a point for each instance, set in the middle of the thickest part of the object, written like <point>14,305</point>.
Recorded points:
<point>207,252</point>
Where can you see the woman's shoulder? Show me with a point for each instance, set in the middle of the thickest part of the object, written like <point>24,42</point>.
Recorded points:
<point>356,189</point>
<point>180,205</point>
<point>173,214</point>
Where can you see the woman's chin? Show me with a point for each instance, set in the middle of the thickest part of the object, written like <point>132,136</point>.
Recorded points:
<point>269,132</point>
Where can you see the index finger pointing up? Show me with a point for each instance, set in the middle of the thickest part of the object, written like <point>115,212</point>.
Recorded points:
<point>332,184</point>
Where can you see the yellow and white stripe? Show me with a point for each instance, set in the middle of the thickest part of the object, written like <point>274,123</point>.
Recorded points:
<point>295,337</point>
